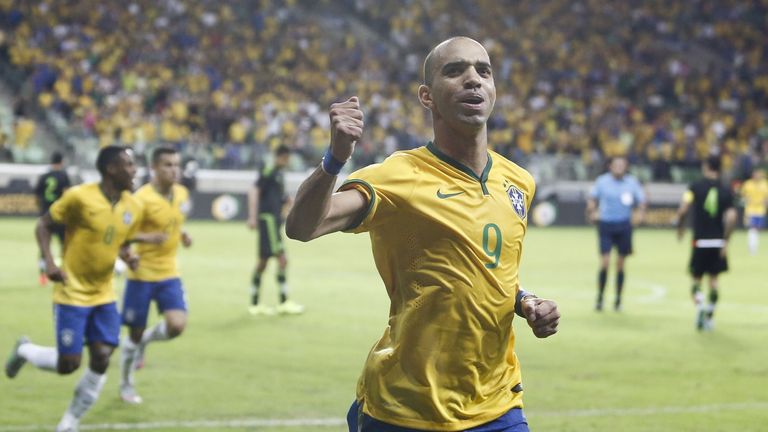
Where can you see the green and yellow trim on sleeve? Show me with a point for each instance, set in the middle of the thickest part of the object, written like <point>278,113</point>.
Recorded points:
<point>352,184</point>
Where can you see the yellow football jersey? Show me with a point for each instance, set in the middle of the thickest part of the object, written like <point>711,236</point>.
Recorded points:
<point>755,197</point>
<point>158,262</point>
<point>447,245</point>
<point>95,230</point>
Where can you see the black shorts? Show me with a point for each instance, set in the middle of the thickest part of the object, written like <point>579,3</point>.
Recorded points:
<point>270,240</point>
<point>617,234</point>
<point>707,261</point>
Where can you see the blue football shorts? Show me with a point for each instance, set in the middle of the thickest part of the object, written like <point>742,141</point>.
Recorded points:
<point>757,222</point>
<point>168,294</point>
<point>512,421</point>
<point>618,234</point>
<point>77,324</point>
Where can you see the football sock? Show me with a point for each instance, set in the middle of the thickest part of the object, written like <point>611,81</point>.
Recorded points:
<point>156,333</point>
<point>86,393</point>
<point>695,289</point>
<point>127,361</point>
<point>256,284</point>
<point>753,238</point>
<point>619,285</point>
<point>713,295</point>
<point>601,280</point>
<point>44,358</point>
<point>283,286</point>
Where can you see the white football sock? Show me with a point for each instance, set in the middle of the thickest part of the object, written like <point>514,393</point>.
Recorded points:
<point>44,358</point>
<point>156,333</point>
<point>753,239</point>
<point>68,423</point>
<point>128,356</point>
<point>86,393</point>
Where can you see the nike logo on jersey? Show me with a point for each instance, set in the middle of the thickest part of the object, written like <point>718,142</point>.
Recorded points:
<point>448,195</point>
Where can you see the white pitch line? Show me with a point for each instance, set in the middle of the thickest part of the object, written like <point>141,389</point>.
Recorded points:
<point>329,422</point>
<point>630,412</point>
<point>193,424</point>
<point>658,292</point>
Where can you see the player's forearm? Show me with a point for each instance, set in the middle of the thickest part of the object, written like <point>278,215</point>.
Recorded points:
<point>253,204</point>
<point>680,220</point>
<point>591,207</point>
<point>43,237</point>
<point>148,237</point>
<point>640,212</point>
<point>311,206</point>
<point>729,222</point>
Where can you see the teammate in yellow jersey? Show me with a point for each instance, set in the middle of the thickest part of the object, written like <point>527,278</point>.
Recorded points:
<point>446,223</point>
<point>99,219</point>
<point>755,194</point>
<point>166,204</point>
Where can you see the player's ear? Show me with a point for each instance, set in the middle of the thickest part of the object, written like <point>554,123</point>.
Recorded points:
<point>110,168</point>
<point>425,97</point>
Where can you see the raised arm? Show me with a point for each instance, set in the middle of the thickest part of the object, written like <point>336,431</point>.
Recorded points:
<point>317,210</point>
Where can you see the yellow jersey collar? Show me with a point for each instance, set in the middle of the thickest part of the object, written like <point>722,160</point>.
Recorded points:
<point>483,178</point>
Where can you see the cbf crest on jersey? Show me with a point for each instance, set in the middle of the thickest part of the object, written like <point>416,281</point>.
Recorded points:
<point>517,198</point>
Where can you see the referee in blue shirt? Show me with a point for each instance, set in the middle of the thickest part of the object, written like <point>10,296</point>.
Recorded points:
<point>616,203</point>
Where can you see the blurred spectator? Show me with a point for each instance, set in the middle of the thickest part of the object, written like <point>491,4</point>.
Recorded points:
<point>664,84</point>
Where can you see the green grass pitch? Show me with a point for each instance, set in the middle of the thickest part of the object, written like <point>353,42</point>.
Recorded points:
<point>644,369</point>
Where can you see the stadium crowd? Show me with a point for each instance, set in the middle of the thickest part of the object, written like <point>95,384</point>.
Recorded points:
<point>662,83</point>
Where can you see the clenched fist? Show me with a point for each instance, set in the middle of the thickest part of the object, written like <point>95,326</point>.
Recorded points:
<point>346,128</point>
<point>542,316</point>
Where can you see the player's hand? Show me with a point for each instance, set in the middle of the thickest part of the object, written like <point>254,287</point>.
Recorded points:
<point>186,239</point>
<point>542,315</point>
<point>252,224</point>
<point>346,128</point>
<point>54,273</point>
<point>724,250</point>
<point>132,259</point>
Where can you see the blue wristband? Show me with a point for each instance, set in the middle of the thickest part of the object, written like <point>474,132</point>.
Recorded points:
<point>330,164</point>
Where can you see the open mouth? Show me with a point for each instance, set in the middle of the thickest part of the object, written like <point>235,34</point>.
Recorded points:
<point>472,100</point>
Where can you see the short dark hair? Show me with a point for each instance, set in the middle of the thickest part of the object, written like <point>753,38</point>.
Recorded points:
<point>160,151</point>
<point>713,163</point>
<point>283,149</point>
<point>57,158</point>
<point>107,156</point>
